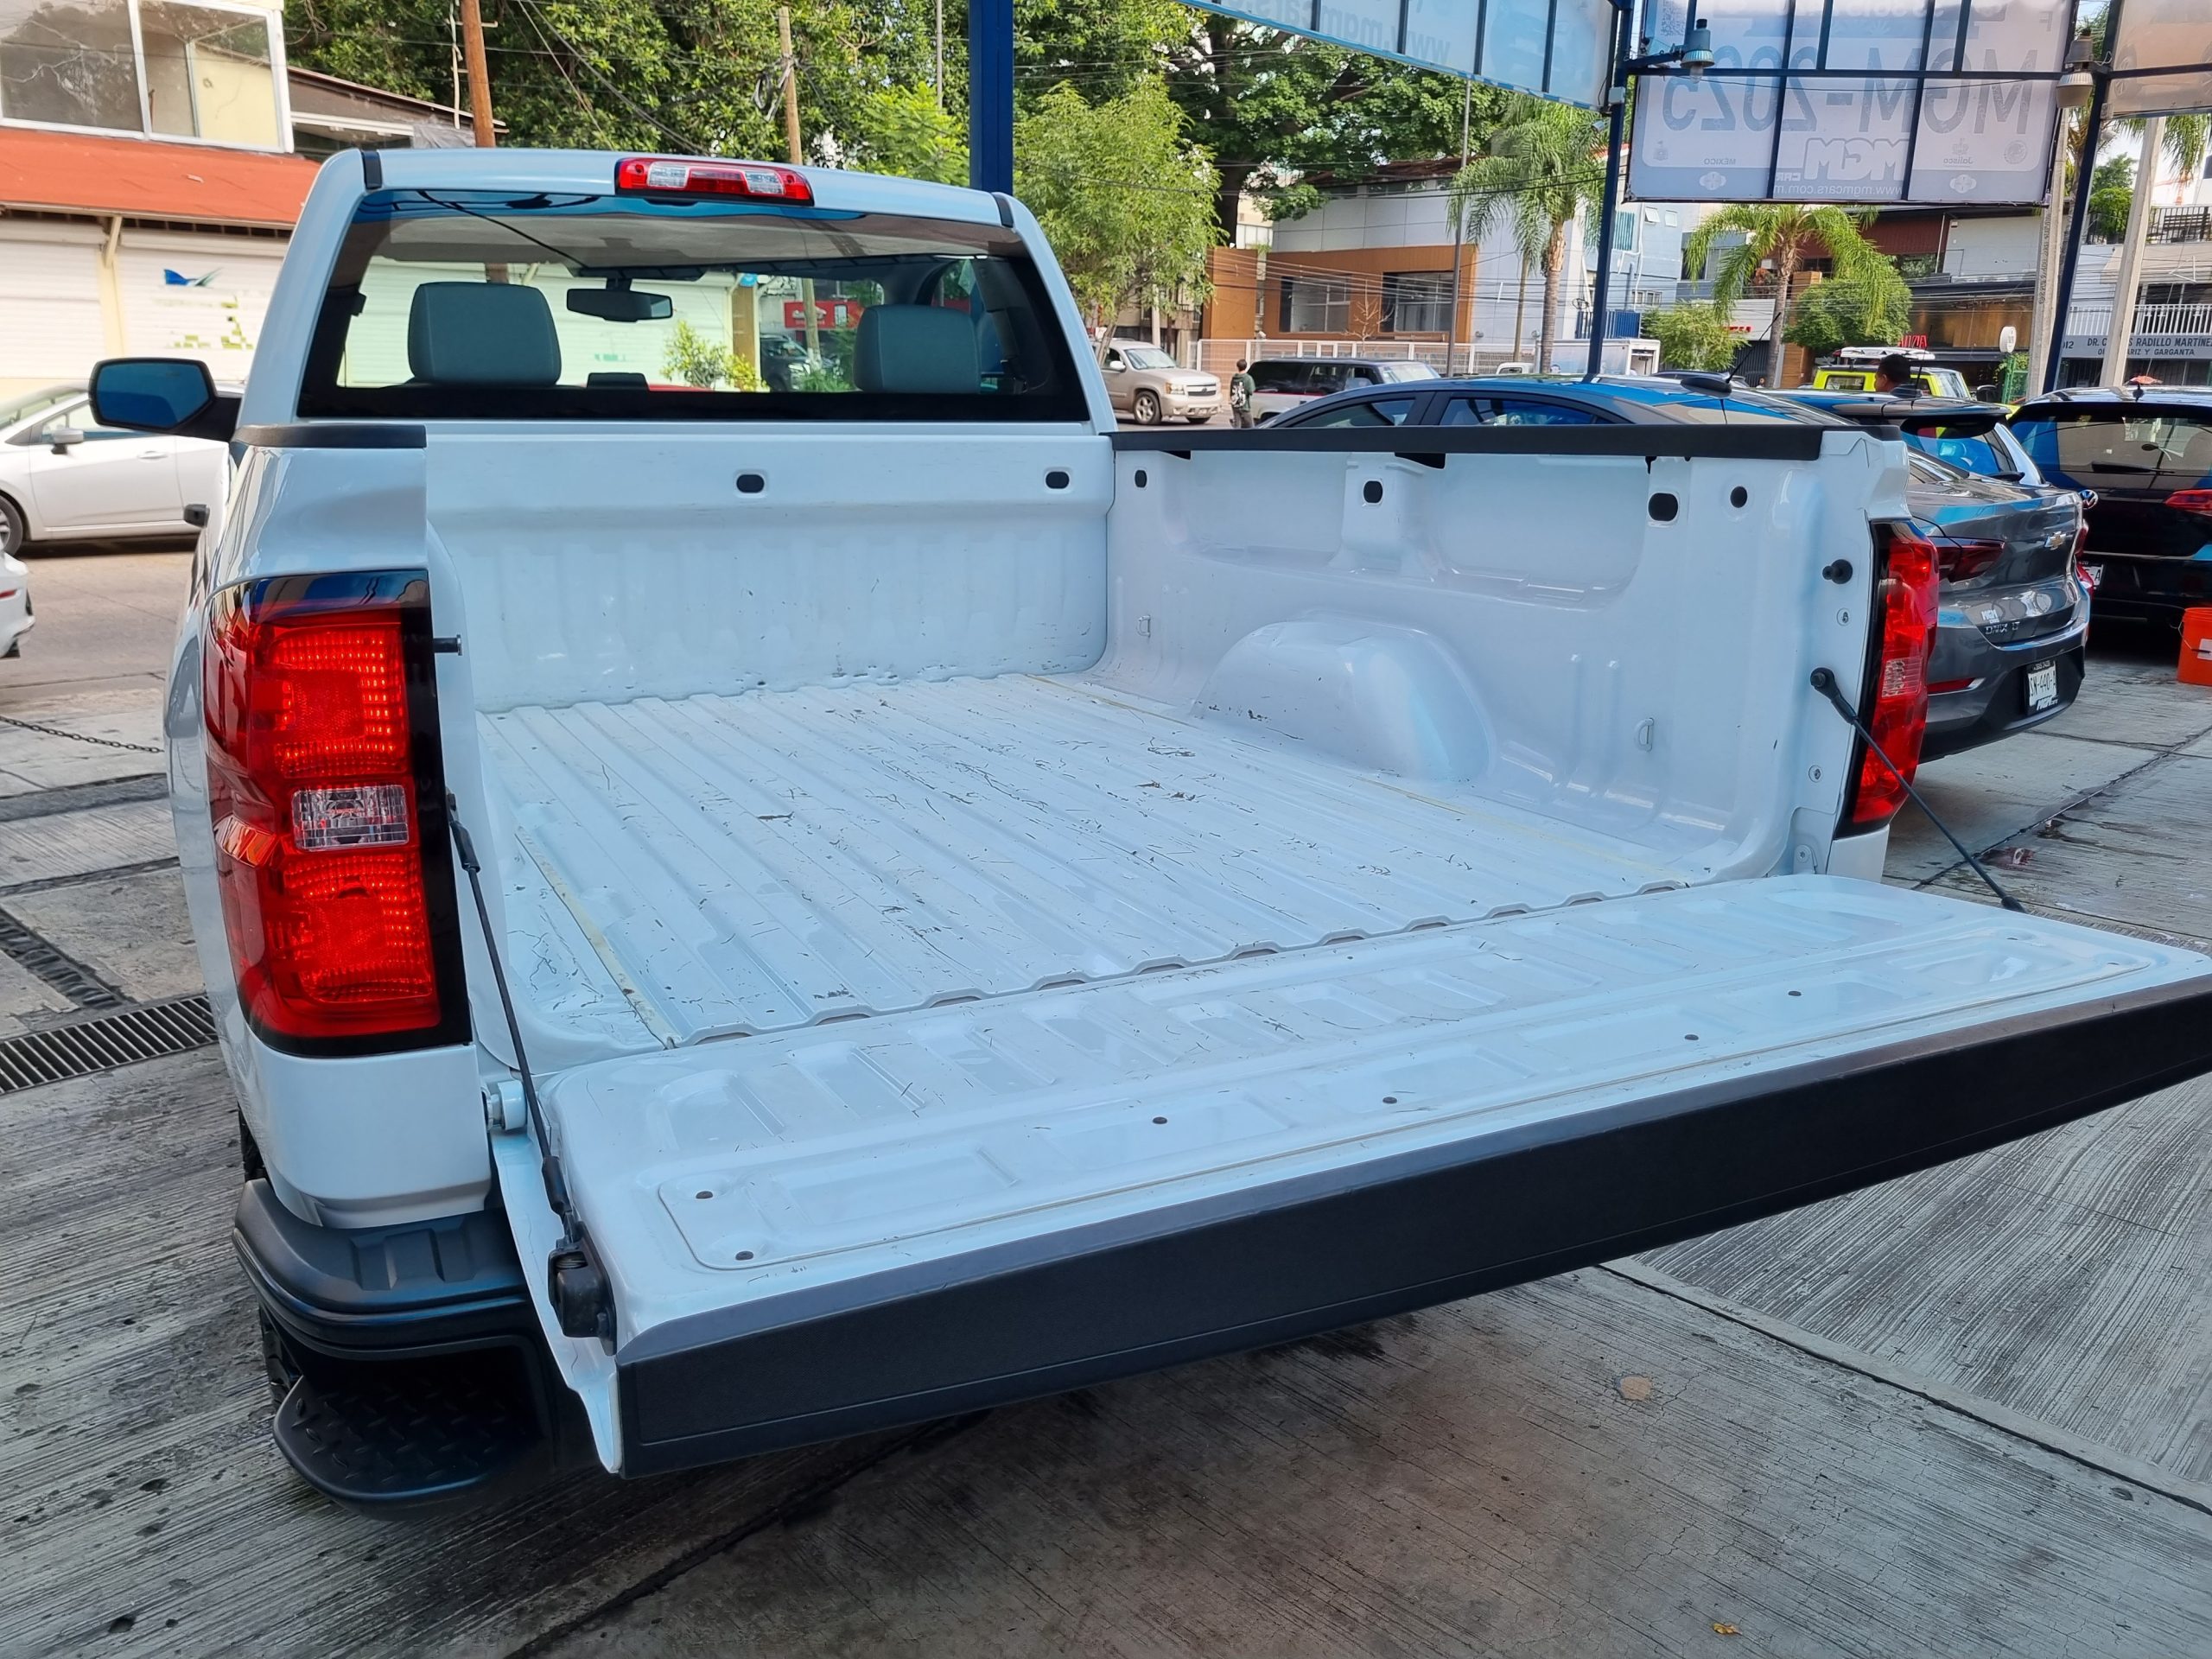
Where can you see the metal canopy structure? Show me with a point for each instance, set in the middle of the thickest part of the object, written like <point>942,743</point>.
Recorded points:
<point>1855,101</point>
<point>1555,48</point>
<point>2162,58</point>
<point>1872,101</point>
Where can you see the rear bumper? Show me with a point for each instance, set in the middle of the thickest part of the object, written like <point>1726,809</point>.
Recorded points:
<point>422,1376</point>
<point>2132,588</point>
<point>382,1292</point>
<point>1275,1263</point>
<point>1996,704</point>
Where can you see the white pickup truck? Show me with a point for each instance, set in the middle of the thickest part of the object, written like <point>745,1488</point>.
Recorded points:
<point>973,903</point>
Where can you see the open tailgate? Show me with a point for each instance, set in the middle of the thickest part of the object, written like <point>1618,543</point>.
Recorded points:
<point>835,1229</point>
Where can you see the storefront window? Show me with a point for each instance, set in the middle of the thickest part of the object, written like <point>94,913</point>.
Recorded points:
<point>198,71</point>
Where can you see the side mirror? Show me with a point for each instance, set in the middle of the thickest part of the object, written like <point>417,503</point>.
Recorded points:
<point>1986,393</point>
<point>150,394</point>
<point>65,439</point>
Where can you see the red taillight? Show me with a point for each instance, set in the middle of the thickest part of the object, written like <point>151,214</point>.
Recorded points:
<point>2191,501</point>
<point>1897,710</point>
<point>321,758</point>
<point>669,175</point>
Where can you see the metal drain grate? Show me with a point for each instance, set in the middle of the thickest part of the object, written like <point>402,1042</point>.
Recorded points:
<point>102,1042</point>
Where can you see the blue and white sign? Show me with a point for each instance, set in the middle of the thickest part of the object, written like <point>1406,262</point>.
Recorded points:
<point>1902,125</point>
<point>1556,48</point>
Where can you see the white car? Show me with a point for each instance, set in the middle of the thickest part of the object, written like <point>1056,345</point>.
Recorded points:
<point>65,477</point>
<point>16,617</point>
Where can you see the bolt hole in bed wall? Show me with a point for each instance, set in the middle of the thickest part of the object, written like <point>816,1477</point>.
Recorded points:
<point>1663,507</point>
<point>1371,492</point>
<point>751,483</point>
<point>1739,496</point>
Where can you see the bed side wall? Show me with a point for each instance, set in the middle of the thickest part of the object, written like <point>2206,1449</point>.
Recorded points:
<point>1531,625</point>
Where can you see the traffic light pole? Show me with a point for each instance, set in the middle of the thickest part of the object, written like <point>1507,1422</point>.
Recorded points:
<point>990,94</point>
<point>1616,94</point>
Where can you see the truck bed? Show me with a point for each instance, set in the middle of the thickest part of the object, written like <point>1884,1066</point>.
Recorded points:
<point>756,862</point>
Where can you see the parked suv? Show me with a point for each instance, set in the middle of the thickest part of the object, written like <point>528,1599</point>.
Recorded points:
<point>1282,384</point>
<point>2146,452</point>
<point>1153,387</point>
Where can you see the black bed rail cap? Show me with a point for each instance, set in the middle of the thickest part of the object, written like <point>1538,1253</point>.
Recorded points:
<point>331,435</point>
<point>1780,441</point>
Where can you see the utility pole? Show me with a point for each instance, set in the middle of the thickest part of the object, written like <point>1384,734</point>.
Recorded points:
<point>2120,334</point>
<point>2053,220</point>
<point>1459,226</point>
<point>479,73</point>
<point>939,81</point>
<point>798,159</point>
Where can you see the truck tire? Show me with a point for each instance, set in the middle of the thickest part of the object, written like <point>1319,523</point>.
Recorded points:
<point>1145,407</point>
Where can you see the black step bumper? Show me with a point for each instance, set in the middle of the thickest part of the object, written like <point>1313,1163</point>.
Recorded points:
<point>1276,1263</point>
<point>424,1377</point>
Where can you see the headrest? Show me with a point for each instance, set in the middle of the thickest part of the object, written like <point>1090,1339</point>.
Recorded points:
<point>916,348</point>
<point>482,334</point>
<point>628,379</point>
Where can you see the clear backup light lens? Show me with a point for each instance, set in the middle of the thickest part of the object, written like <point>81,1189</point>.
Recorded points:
<point>667,175</point>
<point>360,814</point>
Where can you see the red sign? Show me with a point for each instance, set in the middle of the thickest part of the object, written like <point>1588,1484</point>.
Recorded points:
<point>1916,342</point>
<point>828,313</point>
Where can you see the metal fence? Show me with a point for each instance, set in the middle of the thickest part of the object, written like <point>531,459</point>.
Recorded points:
<point>1219,356</point>
<point>2150,319</point>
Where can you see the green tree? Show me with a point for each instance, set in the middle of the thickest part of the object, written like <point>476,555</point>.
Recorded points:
<point>1782,238</point>
<point>1830,315</point>
<point>1272,105</point>
<point>1537,172</point>
<point>2112,193</point>
<point>1124,194</point>
<point>1692,336</point>
<point>903,129</point>
<point>694,360</point>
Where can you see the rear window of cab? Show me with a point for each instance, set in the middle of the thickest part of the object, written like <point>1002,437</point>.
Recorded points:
<point>480,304</point>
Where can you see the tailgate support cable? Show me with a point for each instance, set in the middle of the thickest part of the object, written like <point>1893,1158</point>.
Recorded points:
<point>1824,683</point>
<point>575,1285</point>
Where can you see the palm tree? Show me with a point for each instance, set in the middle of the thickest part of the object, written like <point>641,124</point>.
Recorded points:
<point>1538,171</point>
<point>1784,234</point>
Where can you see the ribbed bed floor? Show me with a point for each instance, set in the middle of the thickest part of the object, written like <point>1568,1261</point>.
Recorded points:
<point>757,862</point>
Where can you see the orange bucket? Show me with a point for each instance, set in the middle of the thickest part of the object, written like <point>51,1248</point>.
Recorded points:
<point>2197,645</point>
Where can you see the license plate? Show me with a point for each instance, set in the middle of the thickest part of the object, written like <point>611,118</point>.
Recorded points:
<point>2043,685</point>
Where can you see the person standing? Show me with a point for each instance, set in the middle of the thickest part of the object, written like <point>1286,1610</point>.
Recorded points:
<point>1240,395</point>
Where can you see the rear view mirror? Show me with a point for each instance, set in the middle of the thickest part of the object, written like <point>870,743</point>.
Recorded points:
<point>623,304</point>
<point>150,394</point>
<point>64,438</point>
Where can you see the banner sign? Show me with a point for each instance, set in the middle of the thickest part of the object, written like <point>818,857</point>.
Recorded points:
<point>828,313</point>
<point>2157,35</point>
<point>1910,102</point>
<point>1556,48</point>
